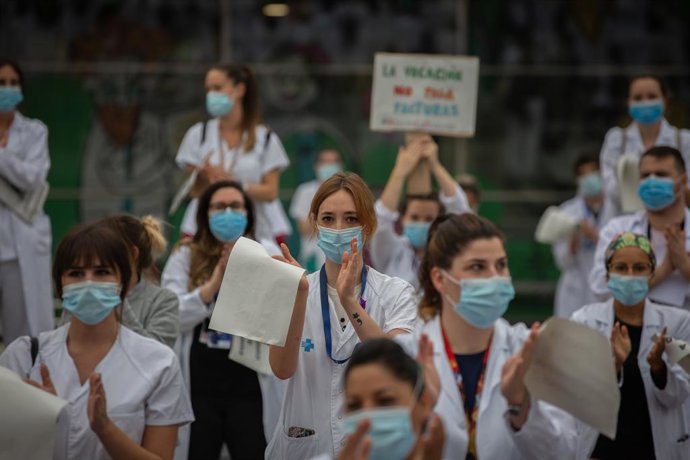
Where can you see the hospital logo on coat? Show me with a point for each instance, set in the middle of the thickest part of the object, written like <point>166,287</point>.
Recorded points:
<point>308,345</point>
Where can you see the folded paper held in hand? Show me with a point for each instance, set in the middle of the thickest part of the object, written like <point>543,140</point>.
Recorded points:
<point>28,419</point>
<point>257,295</point>
<point>573,368</point>
<point>678,352</point>
<point>251,354</point>
<point>554,225</point>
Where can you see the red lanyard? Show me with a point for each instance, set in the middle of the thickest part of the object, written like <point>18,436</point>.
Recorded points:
<point>474,416</point>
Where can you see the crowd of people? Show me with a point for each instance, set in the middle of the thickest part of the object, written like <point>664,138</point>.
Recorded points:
<point>396,348</point>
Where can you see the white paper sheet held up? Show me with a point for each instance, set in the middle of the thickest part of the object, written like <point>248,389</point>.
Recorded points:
<point>251,354</point>
<point>28,419</point>
<point>677,351</point>
<point>257,295</point>
<point>573,368</point>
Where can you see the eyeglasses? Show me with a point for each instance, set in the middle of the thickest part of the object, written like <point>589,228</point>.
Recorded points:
<point>219,206</point>
<point>636,269</point>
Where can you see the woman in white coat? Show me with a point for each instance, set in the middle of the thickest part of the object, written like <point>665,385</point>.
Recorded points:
<point>574,256</point>
<point>652,422</point>
<point>231,402</point>
<point>93,359</point>
<point>647,100</point>
<point>486,410</point>
<point>234,145</point>
<point>26,301</point>
<point>346,303</point>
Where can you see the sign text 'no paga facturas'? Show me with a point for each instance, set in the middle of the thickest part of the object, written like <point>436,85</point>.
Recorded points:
<point>422,92</point>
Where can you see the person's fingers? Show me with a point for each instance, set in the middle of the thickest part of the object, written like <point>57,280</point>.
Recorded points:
<point>34,383</point>
<point>345,261</point>
<point>45,376</point>
<point>624,333</point>
<point>353,247</point>
<point>280,258</point>
<point>355,439</point>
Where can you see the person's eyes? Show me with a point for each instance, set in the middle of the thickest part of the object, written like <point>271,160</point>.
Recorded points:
<point>353,406</point>
<point>327,219</point>
<point>386,401</point>
<point>351,220</point>
<point>104,272</point>
<point>476,267</point>
<point>502,264</point>
<point>75,273</point>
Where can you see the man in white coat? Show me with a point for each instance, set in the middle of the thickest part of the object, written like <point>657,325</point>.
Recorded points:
<point>575,255</point>
<point>664,221</point>
<point>26,305</point>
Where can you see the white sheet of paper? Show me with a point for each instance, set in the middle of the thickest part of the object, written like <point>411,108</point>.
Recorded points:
<point>628,173</point>
<point>28,419</point>
<point>678,352</point>
<point>183,191</point>
<point>573,368</point>
<point>555,225</point>
<point>251,354</point>
<point>257,295</point>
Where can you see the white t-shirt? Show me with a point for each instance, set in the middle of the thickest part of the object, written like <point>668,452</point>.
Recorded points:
<point>314,398</point>
<point>246,167</point>
<point>142,380</point>
<point>299,210</point>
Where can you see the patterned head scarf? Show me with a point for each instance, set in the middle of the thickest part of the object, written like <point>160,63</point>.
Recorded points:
<point>629,239</point>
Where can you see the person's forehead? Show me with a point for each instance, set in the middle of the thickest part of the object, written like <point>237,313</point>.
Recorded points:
<point>644,85</point>
<point>666,163</point>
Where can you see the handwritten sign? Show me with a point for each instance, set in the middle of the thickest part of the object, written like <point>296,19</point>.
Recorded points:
<point>421,92</point>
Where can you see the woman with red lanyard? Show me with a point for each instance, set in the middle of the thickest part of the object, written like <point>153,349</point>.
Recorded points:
<point>484,405</point>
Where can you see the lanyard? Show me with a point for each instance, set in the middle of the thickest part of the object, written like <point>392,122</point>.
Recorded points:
<point>474,416</point>
<point>326,315</point>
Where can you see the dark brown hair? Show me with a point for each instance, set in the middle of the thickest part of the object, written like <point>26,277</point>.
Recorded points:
<point>585,159</point>
<point>206,249</point>
<point>251,115</point>
<point>449,236</point>
<point>145,234</point>
<point>361,195</point>
<point>663,151</point>
<point>86,244</point>
<point>8,62</point>
<point>409,198</point>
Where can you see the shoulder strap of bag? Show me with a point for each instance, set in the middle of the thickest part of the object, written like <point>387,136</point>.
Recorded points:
<point>203,133</point>
<point>34,349</point>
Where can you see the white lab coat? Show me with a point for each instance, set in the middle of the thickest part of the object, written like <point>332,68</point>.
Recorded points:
<point>667,407</point>
<point>193,311</point>
<point>614,147</point>
<point>247,168</point>
<point>548,432</point>
<point>573,289</point>
<point>314,397</point>
<point>391,252</point>
<point>25,162</point>
<point>142,380</point>
<point>674,291</point>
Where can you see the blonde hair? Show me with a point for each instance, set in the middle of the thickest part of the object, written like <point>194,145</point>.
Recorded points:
<point>145,234</point>
<point>361,195</point>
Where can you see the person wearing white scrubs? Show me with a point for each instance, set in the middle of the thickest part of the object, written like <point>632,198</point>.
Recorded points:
<point>338,307</point>
<point>662,187</point>
<point>93,359</point>
<point>653,413</point>
<point>233,405</point>
<point>486,410</point>
<point>234,145</point>
<point>389,399</point>
<point>26,301</point>
<point>574,256</point>
<point>399,255</point>
<point>647,101</point>
<point>328,162</point>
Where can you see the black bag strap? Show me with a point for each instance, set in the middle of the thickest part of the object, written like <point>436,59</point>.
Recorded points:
<point>34,349</point>
<point>203,133</point>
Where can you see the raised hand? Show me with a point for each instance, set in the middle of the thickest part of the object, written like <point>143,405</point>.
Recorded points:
<point>514,370</point>
<point>288,259</point>
<point>357,444</point>
<point>620,342</point>
<point>408,157</point>
<point>425,358</point>
<point>97,407</point>
<point>657,364</point>
<point>47,384</point>
<point>434,439</point>
<point>676,252</point>
<point>347,278</point>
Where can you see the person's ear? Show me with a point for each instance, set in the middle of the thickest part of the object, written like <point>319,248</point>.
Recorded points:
<point>134,254</point>
<point>239,91</point>
<point>437,278</point>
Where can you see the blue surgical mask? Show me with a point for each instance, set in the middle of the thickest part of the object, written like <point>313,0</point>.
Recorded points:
<point>334,243</point>
<point>417,233</point>
<point>590,185</point>
<point>656,193</point>
<point>10,97</point>
<point>218,104</point>
<point>91,301</point>
<point>482,300</point>
<point>646,112</point>
<point>628,290</point>
<point>327,170</point>
<point>391,433</point>
<point>227,226</point>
